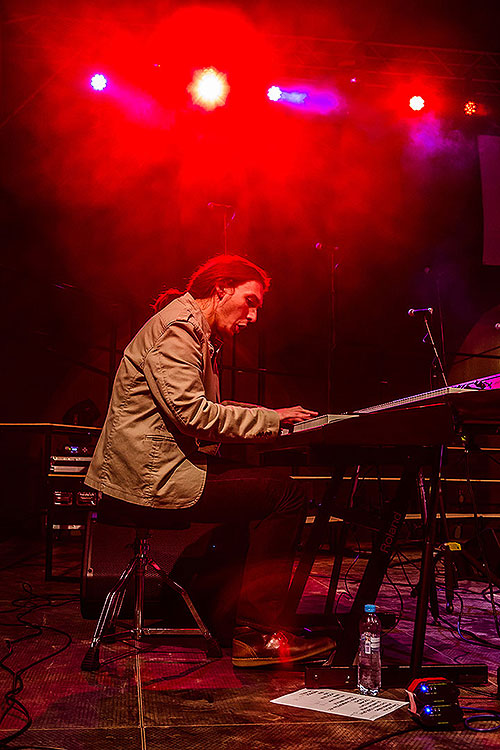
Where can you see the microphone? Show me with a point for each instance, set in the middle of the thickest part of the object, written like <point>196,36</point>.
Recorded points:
<point>413,312</point>
<point>329,248</point>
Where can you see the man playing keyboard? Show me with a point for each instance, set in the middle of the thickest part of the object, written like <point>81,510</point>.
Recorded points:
<point>158,449</point>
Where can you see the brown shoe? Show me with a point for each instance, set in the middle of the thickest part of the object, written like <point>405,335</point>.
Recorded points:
<point>254,649</point>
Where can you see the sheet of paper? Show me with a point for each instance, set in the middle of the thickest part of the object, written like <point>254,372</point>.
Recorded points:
<point>342,703</point>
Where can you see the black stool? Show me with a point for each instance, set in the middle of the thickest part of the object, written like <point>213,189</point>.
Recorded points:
<point>121,513</point>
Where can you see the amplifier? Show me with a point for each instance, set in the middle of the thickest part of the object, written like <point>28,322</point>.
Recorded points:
<point>69,464</point>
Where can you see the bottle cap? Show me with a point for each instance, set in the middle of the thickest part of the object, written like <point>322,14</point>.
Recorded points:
<point>370,608</point>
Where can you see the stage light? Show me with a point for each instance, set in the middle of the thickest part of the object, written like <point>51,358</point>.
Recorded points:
<point>274,93</point>
<point>294,97</point>
<point>475,108</point>
<point>417,103</point>
<point>470,108</point>
<point>98,82</point>
<point>209,88</point>
<point>309,99</point>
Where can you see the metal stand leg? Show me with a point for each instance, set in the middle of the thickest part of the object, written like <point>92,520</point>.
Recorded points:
<point>114,600</point>
<point>339,551</point>
<point>311,547</point>
<point>140,572</point>
<point>378,561</point>
<point>110,611</point>
<point>213,648</point>
<point>425,513</point>
<point>427,571</point>
<point>450,576</point>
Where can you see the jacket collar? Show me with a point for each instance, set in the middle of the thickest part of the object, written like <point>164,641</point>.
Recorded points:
<point>191,303</point>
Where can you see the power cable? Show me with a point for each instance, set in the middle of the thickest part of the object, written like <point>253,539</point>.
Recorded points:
<point>25,606</point>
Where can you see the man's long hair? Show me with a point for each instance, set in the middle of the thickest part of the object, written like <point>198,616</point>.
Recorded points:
<point>222,270</point>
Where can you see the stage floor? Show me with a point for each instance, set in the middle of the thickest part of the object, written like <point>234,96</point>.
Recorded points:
<point>170,696</point>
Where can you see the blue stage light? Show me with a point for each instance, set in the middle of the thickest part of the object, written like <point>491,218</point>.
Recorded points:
<point>309,99</point>
<point>277,94</point>
<point>274,93</point>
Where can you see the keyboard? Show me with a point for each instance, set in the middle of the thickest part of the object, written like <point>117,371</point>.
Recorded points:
<point>490,382</point>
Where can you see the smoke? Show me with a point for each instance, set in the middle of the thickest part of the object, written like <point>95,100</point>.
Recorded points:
<point>125,174</point>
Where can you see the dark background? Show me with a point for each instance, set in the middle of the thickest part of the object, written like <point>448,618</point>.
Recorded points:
<point>104,198</point>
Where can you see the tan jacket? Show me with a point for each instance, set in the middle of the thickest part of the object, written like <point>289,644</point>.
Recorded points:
<point>165,416</point>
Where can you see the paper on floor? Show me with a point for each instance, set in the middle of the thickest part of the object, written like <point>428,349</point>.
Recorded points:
<point>341,703</point>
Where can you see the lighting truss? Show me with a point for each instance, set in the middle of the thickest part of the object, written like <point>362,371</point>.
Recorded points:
<point>474,72</point>
<point>383,64</point>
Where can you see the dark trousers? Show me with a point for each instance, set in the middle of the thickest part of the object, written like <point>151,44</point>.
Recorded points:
<point>273,510</point>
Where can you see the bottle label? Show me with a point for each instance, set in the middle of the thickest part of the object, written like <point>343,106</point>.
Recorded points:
<point>372,643</point>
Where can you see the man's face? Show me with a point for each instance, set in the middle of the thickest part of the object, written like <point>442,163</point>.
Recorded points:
<point>237,307</point>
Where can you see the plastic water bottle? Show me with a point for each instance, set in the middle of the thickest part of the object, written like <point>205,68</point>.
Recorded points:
<point>369,668</point>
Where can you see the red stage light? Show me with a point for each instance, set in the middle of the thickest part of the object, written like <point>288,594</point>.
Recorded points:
<point>470,108</point>
<point>417,103</point>
<point>209,88</point>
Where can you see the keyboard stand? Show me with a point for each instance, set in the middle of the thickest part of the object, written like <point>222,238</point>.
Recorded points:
<point>338,671</point>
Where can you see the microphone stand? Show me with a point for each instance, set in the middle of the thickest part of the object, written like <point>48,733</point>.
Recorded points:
<point>226,208</point>
<point>226,225</point>
<point>332,322</point>
<point>430,338</point>
<point>333,331</point>
<point>427,580</point>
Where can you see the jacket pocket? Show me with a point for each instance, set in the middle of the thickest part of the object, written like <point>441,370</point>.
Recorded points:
<point>172,470</point>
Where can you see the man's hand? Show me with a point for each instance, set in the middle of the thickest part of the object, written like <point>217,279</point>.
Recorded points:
<point>295,414</point>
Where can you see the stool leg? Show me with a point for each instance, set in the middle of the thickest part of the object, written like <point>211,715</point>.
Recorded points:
<point>213,648</point>
<point>109,611</point>
<point>118,603</point>
<point>140,572</point>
